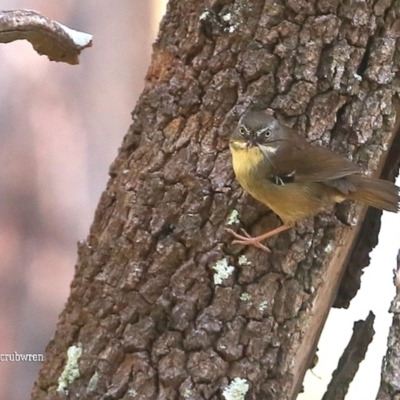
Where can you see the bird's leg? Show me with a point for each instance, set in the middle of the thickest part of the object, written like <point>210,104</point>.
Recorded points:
<point>247,240</point>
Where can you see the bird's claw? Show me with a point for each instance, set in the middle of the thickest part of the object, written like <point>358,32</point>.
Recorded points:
<point>247,240</point>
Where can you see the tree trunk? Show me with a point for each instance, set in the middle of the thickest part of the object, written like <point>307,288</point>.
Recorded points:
<point>153,318</point>
<point>390,383</point>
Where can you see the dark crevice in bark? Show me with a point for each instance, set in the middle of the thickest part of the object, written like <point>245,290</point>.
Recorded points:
<point>365,60</point>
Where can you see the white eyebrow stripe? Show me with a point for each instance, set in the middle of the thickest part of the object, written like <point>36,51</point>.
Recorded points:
<point>262,130</point>
<point>245,128</point>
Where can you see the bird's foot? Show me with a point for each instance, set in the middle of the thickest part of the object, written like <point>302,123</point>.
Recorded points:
<point>247,240</point>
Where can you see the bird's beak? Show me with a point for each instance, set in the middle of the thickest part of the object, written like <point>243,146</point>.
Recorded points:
<point>251,143</point>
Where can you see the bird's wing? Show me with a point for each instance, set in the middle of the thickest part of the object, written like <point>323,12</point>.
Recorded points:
<point>298,161</point>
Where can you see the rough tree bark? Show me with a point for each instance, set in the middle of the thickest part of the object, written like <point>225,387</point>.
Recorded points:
<point>144,306</point>
<point>390,384</point>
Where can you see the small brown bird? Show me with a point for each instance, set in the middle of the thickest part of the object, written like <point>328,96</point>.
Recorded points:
<point>294,178</point>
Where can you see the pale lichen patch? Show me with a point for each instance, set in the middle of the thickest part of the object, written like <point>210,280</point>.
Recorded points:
<point>245,296</point>
<point>71,369</point>
<point>233,218</point>
<point>222,271</point>
<point>243,260</point>
<point>263,305</point>
<point>236,390</point>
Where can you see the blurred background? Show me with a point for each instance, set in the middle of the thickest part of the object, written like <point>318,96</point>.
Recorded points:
<point>60,129</point>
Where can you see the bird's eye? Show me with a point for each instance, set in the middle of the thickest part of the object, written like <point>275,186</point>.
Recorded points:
<point>264,133</point>
<point>242,131</point>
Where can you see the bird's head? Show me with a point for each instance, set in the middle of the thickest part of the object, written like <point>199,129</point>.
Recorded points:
<point>258,128</point>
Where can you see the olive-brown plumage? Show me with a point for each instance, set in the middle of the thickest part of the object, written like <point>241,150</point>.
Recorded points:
<point>294,178</point>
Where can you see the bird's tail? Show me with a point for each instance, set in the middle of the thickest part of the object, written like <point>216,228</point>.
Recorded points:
<point>375,192</point>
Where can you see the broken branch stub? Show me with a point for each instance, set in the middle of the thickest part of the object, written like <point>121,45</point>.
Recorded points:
<point>48,37</point>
